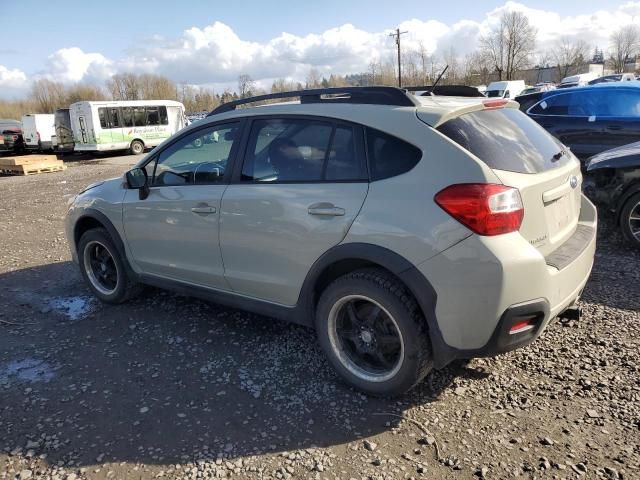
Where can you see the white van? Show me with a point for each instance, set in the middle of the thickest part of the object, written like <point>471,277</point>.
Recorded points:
<point>505,89</point>
<point>124,125</point>
<point>37,130</point>
<point>578,80</point>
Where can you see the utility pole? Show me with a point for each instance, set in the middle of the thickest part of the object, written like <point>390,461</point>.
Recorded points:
<point>397,37</point>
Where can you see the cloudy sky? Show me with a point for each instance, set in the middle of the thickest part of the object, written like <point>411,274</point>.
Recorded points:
<point>212,42</point>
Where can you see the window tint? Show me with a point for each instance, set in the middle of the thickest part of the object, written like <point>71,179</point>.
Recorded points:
<point>343,161</point>
<point>612,102</point>
<point>389,156</point>
<point>127,116</point>
<point>592,102</point>
<point>114,118</point>
<point>164,120</point>
<point>286,150</point>
<point>153,116</point>
<point>506,139</point>
<point>198,158</point>
<point>555,105</point>
<point>139,117</point>
<point>102,115</point>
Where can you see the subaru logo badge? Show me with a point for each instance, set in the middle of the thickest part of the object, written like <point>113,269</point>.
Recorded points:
<point>573,181</point>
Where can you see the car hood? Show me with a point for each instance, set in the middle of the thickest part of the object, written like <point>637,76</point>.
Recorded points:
<point>626,156</point>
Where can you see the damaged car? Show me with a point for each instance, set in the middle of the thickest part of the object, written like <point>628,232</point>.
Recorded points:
<point>613,180</point>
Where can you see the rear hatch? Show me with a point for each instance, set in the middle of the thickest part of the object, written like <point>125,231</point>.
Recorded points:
<point>524,156</point>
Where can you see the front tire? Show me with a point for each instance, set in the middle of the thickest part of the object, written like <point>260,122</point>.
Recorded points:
<point>630,219</point>
<point>103,268</point>
<point>136,148</point>
<point>373,333</point>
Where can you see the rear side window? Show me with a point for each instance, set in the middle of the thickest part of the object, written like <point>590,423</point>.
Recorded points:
<point>556,105</point>
<point>506,139</point>
<point>389,156</point>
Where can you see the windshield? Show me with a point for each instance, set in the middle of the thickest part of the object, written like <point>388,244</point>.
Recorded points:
<point>495,93</point>
<point>506,139</point>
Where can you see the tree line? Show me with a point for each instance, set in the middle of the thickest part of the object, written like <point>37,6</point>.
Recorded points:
<point>503,54</point>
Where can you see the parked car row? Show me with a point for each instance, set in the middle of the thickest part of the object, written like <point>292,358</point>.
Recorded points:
<point>101,126</point>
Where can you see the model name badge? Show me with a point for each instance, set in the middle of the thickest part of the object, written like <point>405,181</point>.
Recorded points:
<point>538,240</point>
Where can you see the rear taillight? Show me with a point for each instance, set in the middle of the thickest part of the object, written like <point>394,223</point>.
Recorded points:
<point>485,208</point>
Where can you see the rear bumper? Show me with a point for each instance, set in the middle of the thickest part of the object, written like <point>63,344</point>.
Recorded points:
<point>485,284</point>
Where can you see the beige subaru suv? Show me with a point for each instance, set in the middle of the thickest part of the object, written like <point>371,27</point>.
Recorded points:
<point>408,231</point>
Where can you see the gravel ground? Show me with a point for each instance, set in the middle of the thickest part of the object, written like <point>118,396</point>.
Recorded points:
<point>172,387</point>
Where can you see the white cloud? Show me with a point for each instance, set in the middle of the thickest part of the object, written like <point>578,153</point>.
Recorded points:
<point>69,65</point>
<point>216,55</point>
<point>12,82</point>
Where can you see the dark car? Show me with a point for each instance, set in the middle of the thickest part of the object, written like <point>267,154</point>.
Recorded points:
<point>11,139</point>
<point>528,100</point>
<point>591,119</point>
<point>613,180</point>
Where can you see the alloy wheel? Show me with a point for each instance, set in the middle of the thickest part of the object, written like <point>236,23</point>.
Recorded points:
<point>100,267</point>
<point>366,338</point>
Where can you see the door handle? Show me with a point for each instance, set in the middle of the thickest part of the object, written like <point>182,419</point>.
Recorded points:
<point>614,127</point>
<point>326,209</point>
<point>204,209</point>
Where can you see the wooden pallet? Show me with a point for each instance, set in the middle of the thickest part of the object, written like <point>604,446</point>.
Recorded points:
<point>28,159</point>
<point>30,169</point>
<point>30,165</point>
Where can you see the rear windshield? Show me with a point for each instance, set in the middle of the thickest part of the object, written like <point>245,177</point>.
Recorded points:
<point>506,139</point>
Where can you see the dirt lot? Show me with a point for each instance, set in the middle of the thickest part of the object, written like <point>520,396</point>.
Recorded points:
<point>172,387</point>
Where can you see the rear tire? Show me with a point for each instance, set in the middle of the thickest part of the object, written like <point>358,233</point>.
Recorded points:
<point>373,333</point>
<point>630,219</point>
<point>103,268</point>
<point>136,147</point>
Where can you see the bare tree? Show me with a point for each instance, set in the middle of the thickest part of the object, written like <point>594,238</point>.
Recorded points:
<point>47,95</point>
<point>569,54</point>
<point>510,44</point>
<point>155,87</point>
<point>451,59</point>
<point>80,92</point>
<point>624,46</point>
<point>246,85</point>
<point>477,68</point>
<point>314,79</point>
<point>124,86</point>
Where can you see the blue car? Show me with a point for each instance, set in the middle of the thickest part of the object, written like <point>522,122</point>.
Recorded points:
<point>589,119</point>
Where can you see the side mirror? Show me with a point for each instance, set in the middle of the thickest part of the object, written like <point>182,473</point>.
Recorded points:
<point>137,180</point>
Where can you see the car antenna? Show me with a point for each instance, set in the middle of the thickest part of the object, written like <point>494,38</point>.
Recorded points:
<point>433,87</point>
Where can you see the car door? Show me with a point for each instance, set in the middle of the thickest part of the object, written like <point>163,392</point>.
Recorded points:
<point>620,116</point>
<point>173,233</point>
<point>567,117</point>
<point>300,186</point>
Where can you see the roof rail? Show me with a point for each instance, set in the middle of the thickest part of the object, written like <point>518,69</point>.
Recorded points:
<point>355,95</point>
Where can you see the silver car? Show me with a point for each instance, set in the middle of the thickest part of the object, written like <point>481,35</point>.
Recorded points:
<point>407,231</point>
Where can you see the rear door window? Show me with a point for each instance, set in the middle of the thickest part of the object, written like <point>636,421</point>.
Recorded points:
<point>506,139</point>
<point>302,150</point>
<point>555,105</point>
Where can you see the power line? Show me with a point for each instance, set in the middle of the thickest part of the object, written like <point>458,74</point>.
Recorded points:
<point>397,36</point>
